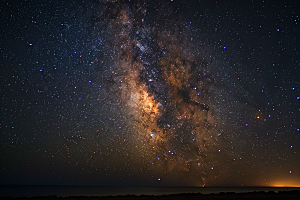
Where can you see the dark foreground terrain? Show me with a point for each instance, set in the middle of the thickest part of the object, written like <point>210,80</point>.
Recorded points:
<point>229,195</point>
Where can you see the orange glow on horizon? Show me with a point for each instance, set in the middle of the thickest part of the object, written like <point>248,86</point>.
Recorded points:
<point>285,184</point>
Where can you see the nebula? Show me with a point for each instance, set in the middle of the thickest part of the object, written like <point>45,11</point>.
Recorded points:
<point>165,88</point>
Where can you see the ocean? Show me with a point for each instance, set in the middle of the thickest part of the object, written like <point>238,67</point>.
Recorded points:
<point>64,191</point>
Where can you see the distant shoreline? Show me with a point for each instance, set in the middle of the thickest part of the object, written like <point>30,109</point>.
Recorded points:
<point>292,194</point>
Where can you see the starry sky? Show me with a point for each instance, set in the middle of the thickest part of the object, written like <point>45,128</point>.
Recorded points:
<point>160,92</point>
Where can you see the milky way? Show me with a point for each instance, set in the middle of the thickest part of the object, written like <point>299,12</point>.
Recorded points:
<point>166,91</point>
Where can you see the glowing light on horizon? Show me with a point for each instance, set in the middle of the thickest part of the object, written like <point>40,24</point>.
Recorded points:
<point>285,184</point>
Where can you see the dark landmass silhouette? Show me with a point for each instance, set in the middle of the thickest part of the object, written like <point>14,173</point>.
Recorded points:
<point>294,194</point>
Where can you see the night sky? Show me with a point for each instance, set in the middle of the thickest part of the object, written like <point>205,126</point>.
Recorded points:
<point>160,92</point>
